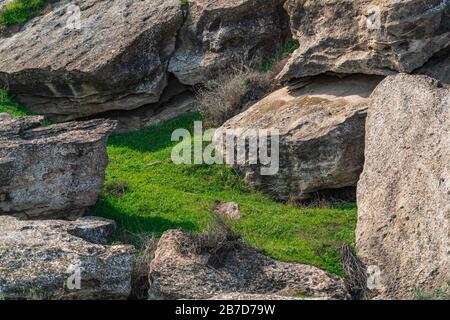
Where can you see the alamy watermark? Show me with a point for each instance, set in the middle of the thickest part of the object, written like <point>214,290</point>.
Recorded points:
<point>233,147</point>
<point>73,282</point>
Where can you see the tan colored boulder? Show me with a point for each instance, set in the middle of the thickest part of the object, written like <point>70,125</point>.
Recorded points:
<point>54,171</point>
<point>199,266</point>
<point>321,135</point>
<point>365,36</point>
<point>403,194</point>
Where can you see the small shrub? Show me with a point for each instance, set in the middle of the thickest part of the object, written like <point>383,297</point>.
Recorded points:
<point>139,278</point>
<point>116,188</point>
<point>280,58</point>
<point>437,294</point>
<point>230,94</point>
<point>356,274</point>
<point>9,105</point>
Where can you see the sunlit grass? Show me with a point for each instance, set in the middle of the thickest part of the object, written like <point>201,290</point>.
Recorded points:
<point>147,193</point>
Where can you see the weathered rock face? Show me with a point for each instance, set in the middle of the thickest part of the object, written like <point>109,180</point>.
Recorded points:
<point>222,32</point>
<point>115,58</point>
<point>192,266</point>
<point>321,135</point>
<point>55,171</point>
<point>41,260</point>
<point>176,100</point>
<point>365,36</point>
<point>403,194</point>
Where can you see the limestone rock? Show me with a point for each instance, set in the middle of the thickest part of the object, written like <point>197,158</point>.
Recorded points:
<point>54,171</point>
<point>41,260</point>
<point>113,57</point>
<point>195,266</point>
<point>321,135</point>
<point>230,210</point>
<point>220,33</point>
<point>403,194</point>
<point>365,36</point>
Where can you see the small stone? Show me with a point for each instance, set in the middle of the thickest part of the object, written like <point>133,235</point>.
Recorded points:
<point>230,210</point>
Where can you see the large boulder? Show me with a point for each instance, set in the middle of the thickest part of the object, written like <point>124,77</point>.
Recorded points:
<point>365,36</point>
<point>403,194</point>
<point>63,260</point>
<point>321,127</point>
<point>221,33</point>
<point>114,57</point>
<point>54,171</point>
<point>197,266</point>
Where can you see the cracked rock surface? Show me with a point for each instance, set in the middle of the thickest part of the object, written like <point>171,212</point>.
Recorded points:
<point>42,259</point>
<point>194,266</point>
<point>54,171</point>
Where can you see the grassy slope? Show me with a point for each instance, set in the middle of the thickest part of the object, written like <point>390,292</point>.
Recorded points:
<point>162,195</point>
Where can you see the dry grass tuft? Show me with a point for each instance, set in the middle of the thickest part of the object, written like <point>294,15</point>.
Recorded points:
<point>356,274</point>
<point>229,94</point>
<point>139,278</point>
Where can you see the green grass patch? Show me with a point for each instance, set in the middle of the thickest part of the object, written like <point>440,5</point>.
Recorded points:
<point>20,11</point>
<point>284,52</point>
<point>9,105</point>
<point>146,193</point>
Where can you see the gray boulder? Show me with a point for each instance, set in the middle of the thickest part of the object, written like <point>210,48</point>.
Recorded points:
<point>196,266</point>
<point>222,33</point>
<point>403,194</point>
<point>63,260</point>
<point>365,36</point>
<point>54,171</point>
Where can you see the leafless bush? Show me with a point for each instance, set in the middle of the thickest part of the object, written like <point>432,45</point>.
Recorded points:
<point>220,239</point>
<point>356,274</point>
<point>229,94</point>
<point>139,277</point>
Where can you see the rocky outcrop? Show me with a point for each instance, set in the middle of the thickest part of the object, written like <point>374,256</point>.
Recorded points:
<point>83,58</point>
<point>54,171</point>
<point>113,57</point>
<point>62,260</point>
<point>218,34</point>
<point>403,194</point>
<point>321,135</point>
<point>176,100</point>
<point>366,36</point>
<point>195,266</point>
